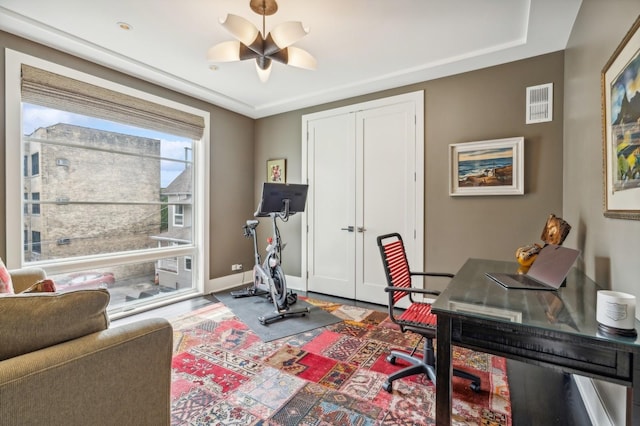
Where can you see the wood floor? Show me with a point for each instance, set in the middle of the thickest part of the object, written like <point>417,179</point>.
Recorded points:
<point>539,396</point>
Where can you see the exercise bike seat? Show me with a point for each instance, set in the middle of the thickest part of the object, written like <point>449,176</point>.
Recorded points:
<point>252,223</point>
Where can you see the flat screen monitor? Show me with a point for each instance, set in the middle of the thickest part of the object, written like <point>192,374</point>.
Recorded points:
<point>274,194</point>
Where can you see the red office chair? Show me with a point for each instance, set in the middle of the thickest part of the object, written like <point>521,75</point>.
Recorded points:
<point>417,317</point>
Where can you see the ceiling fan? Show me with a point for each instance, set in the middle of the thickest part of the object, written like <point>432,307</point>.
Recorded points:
<point>261,46</point>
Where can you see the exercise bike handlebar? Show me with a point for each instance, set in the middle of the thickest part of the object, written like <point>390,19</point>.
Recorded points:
<point>282,214</point>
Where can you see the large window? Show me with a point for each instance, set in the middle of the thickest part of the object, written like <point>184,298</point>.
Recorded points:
<point>105,167</point>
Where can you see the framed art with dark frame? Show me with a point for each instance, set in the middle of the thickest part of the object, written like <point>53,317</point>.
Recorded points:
<point>493,167</point>
<point>620,85</point>
<point>276,171</point>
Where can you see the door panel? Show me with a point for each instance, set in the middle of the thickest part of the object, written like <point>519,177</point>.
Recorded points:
<point>331,249</point>
<point>385,145</point>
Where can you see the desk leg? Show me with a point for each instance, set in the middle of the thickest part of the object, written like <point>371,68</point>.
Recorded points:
<point>633,395</point>
<point>443,371</point>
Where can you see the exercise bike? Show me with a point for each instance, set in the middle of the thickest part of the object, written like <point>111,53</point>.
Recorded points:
<point>279,201</point>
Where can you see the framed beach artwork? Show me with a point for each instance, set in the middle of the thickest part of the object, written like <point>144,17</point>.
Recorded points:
<point>620,84</point>
<point>276,171</point>
<point>492,167</point>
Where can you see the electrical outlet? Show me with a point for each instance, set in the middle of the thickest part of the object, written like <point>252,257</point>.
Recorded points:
<point>236,267</point>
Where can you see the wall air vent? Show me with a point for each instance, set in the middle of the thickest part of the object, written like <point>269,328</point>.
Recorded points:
<point>540,103</point>
<point>62,162</point>
<point>63,241</point>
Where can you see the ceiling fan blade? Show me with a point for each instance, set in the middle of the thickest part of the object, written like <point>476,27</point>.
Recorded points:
<point>227,51</point>
<point>240,28</point>
<point>263,74</point>
<point>300,58</point>
<point>287,33</point>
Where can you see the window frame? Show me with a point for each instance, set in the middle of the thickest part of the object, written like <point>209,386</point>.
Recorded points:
<point>14,193</point>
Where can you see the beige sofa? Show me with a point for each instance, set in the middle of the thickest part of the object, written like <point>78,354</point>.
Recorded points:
<point>61,364</point>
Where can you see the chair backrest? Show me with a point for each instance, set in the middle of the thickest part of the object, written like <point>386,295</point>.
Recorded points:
<point>394,260</point>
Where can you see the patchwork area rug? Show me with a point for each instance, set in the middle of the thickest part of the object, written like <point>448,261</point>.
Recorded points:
<point>224,374</point>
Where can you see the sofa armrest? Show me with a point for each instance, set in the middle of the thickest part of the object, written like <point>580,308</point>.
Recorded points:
<point>22,279</point>
<point>117,376</point>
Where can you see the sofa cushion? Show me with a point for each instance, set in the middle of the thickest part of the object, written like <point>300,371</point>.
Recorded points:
<point>32,321</point>
<point>5,280</point>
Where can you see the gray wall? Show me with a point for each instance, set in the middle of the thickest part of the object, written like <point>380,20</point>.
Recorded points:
<point>609,246</point>
<point>480,105</point>
<point>232,180</point>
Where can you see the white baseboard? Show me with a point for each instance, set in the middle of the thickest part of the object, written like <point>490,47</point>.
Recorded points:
<point>228,281</point>
<point>596,410</point>
<point>295,283</point>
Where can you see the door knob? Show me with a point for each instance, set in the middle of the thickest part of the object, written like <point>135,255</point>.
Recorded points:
<point>361,229</point>
<point>348,228</point>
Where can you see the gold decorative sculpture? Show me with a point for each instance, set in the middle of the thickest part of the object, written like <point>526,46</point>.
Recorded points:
<point>554,232</point>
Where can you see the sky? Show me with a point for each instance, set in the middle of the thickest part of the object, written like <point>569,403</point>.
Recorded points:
<point>485,154</point>
<point>171,146</point>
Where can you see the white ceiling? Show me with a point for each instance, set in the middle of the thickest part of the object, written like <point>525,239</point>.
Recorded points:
<point>361,46</point>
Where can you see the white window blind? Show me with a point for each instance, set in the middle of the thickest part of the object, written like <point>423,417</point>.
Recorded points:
<point>52,90</point>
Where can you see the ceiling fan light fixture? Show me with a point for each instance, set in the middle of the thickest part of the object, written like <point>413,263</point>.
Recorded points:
<point>264,47</point>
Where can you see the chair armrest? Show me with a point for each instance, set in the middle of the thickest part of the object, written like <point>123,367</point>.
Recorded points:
<point>433,274</point>
<point>24,278</point>
<point>411,290</point>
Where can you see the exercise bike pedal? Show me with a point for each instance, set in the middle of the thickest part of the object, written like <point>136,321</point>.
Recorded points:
<point>290,300</point>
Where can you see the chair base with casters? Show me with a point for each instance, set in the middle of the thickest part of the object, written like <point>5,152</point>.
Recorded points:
<point>417,317</point>
<point>425,365</point>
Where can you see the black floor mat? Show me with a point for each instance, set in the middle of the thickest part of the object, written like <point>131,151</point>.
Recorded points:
<point>249,309</point>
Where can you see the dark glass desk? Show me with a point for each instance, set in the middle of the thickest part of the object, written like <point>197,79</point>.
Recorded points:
<point>556,329</point>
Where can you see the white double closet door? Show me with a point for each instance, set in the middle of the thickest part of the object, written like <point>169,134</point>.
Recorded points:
<point>365,168</point>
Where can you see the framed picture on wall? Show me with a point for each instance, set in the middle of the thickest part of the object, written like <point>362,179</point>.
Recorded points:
<point>276,171</point>
<point>492,167</point>
<point>620,84</point>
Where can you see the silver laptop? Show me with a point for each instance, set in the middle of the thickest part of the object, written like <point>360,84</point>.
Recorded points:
<point>548,271</point>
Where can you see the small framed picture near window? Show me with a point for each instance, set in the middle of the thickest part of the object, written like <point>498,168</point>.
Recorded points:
<point>276,171</point>
<point>492,167</point>
<point>621,128</point>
